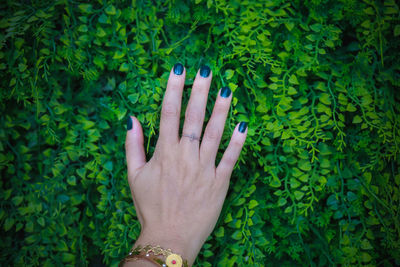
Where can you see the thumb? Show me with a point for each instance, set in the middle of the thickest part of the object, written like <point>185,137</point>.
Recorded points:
<point>134,145</point>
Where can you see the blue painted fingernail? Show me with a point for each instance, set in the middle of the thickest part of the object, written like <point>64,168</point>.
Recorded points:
<point>129,123</point>
<point>242,127</point>
<point>205,71</point>
<point>225,92</point>
<point>178,68</point>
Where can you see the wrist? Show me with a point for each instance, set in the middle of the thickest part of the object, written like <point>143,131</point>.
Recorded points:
<point>185,247</point>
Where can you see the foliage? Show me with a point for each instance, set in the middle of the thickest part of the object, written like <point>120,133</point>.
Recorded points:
<point>318,80</point>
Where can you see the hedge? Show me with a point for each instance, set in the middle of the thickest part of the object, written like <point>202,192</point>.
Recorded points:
<point>317,182</point>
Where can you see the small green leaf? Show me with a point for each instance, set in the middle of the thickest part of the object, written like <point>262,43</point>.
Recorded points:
<point>325,98</point>
<point>86,8</point>
<point>133,98</point>
<point>316,27</point>
<point>68,257</point>
<point>108,166</point>
<point>282,201</point>
<point>118,54</point>
<point>396,31</point>
<point>228,218</point>
<point>293,79</point>
<point>304,165</point>
<point>351,108</point>
<point>298,195</point>
<point>83,28</point>
<point>71,180</point>
<point>220,232</point>
<point>275,182</point>
<point>357,119</point>
<point>110,10</point>
<point>124,67</point>
<point>229,74</point>
<point>253,203</point>
<point>41,221</point>
<point>8,224</point>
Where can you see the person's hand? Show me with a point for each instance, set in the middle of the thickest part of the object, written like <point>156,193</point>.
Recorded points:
<point>179,192</point>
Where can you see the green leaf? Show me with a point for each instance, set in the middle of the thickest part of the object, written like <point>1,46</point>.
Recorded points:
<point>86,8</point>
<point>118,54</point>
<point>289,25</point>
<point>357,119</point>
<point>316,27</point>
<point>68,257</point>
<point>83,28</point>
<point>288,210</point>
<point>351,108</point>
<point>8,224</point>
<point>275,182</point>
<point>133,98</point>
<point>232,86</point>
<point>282,202</point>
<point>285,135</point>
<point>229,74</point>
<point>293,79</point>
<point>253,203</point>
<point>292,91</point>
<point>71,180</point>
<point>237,235</point>
<point>228,218</point>
<point>100,32</point>
<point>365,257</point>
<point>110,10</point>
<point>298,195</point>
<point>108,166</point>
<point>41,221</point>
<point>124,67</point>
<point>325,98</point>
<point>304,165</point>
<point>365,244</point>
<point>220,232</point>
<point>22,67</point>
<point>396,31</point>
<point>61,245</point>
<point>17,200</point>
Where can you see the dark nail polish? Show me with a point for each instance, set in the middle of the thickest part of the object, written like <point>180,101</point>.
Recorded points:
<point>225,92</point>
<point>205,71</point>
<point>178,68</point>
<point>129,123</point>
<point>242,127</point>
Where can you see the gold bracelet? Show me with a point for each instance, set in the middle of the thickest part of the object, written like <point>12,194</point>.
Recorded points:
<point>172,259</point>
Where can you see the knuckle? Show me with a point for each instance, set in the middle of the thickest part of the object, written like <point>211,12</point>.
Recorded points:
<point>220,108</point>
<point>193,116</point>
<point>237,144</point>
<point>169,110</point>
<point>212,134</point>
<point>230,160</point>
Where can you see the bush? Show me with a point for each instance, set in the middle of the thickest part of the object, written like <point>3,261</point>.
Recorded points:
<point>317,182</point>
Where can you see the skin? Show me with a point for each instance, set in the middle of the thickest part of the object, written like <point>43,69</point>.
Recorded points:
<point>179,192</point>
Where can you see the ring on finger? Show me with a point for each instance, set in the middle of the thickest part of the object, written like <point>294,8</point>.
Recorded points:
<point>191,136</point>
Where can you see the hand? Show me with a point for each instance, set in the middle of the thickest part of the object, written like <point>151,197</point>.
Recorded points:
<point>180,192</point>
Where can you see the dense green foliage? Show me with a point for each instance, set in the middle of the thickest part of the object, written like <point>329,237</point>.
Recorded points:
<point>318,81</point>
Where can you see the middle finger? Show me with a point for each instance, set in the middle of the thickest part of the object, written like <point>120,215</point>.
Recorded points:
<point>196,108</point>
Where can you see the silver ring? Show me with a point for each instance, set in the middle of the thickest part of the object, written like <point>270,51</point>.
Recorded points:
<point>192,137</point>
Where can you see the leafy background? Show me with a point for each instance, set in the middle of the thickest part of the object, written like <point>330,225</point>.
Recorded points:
<point>318,81</point>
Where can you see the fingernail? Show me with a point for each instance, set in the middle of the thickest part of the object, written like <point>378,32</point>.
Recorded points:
<point>205,71</point>
<point>129,123</point>
<point>178,68</point>
<point>225,92</point>
<point>242,127</point>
